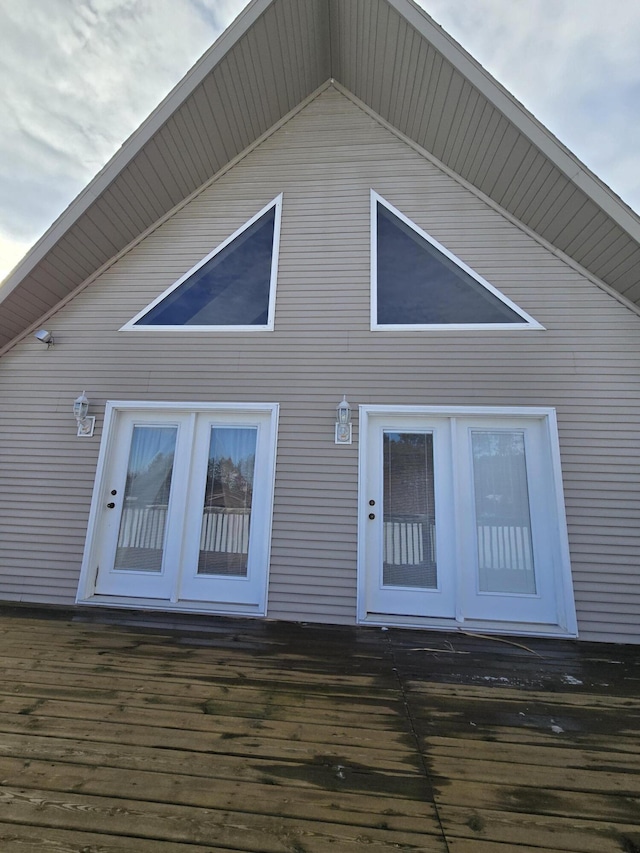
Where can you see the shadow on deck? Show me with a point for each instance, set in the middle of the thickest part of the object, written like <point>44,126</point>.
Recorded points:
<point>130,732</point>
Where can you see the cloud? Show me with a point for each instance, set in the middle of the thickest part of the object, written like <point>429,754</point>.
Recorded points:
<point>79,76</point>
<point>11,251</point>
<point>572,63</point>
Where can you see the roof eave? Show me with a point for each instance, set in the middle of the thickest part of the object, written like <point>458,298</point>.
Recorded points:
<point>556,154</point>
<point>521,118</point>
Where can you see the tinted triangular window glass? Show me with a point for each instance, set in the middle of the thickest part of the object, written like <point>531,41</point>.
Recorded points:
<point>420,284</point>
<point>231,287</point>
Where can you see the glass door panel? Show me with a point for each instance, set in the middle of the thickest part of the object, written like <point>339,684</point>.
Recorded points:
<point>228,498</point>
<point>409,521</point>
<point>228,513</point>
<point>408,531</point>
<point>503,515</point>
<point>143,521</point>
<point>508,546</point>
<point>143,488</point>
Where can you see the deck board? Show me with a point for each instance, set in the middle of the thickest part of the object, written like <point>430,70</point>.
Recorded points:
<point>122,732</point>
<point>463,825</point>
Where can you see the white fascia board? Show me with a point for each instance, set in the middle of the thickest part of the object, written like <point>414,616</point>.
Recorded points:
<point>520,117</point>
<point>134,144</point>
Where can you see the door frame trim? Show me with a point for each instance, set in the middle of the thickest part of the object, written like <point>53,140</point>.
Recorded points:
<point>565,605</point>
<point>86,585</point>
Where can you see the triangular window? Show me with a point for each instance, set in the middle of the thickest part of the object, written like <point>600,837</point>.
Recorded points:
<point>232,288</point>
<point>417,283</point>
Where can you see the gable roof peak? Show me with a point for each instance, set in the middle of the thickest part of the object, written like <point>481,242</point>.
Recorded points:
<point>258,66</point>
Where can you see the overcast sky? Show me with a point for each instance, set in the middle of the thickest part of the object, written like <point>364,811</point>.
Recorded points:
<point>77,77</point>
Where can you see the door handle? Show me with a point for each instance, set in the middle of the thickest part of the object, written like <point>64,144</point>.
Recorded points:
<point>110,505</point>
<point>372,515</point>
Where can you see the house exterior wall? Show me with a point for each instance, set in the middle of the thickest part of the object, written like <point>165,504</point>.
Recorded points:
<point>325,161</point>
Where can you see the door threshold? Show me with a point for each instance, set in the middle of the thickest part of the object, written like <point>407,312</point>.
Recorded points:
<point>203,607</point>
<point>468,626</point>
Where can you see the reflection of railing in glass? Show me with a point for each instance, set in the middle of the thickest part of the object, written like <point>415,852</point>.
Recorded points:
<point>224,541</point>
<point>222,529</point>
<point>404,541</point>
<point>141,538</point>
<point>143,527</point>
<point>225,530</point>
<point>504,548</point>
<point>409,551</point>
<point>505,559</point>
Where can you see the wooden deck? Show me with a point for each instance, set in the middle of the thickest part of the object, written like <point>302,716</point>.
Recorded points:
<point>199,736</point>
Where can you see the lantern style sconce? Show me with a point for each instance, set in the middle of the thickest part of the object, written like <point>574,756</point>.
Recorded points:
<point>86,423</point>
<point>343,422</point>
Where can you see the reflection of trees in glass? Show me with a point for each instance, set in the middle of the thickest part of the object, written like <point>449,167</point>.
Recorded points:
<point>230,467</point>
<point>230,482</point>
<point>152,484</point>
<point>150,465</point>
<point>224,542</point>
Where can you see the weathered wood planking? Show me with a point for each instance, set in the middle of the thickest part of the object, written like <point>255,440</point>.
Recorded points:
<point>465,827</point>
<point>118,737</point>
<point>220,734</point>
<point>529,747</point>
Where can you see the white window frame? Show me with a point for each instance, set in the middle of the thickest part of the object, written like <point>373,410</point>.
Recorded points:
<point>566,625</point>
<point>267,327</point>
<point>529,322</point>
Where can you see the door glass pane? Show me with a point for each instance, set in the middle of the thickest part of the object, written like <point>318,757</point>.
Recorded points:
<point>409,546</point>
<point>503,519</point>
<point>224,538</point>
<point>146,498</point>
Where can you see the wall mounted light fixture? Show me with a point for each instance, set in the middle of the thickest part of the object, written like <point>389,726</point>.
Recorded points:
<point>343,422</point>
<point>44,337</point>
<point>86,423</point>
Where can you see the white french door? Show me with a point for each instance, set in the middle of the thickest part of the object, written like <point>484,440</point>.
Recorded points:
<point>182,507</point>
<point>462,519</point>
<point>508,546</point>
<point>410,540</point>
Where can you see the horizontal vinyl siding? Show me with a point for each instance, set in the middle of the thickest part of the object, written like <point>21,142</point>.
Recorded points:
<point>325,161</point>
